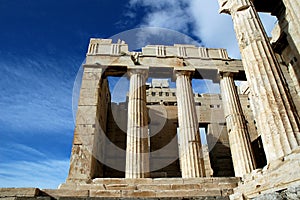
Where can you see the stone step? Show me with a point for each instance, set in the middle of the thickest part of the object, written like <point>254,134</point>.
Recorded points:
<point>151,181</point>
<point>123,198</point>
<point>160,193</point>
<point>155,184</point>
<point>112,193</point>
<point>125,192</point>
<point>154,187</point>
<point>19,192</point>
<point>57,193</point>
<point>186,186</point>
<point>118,186</point>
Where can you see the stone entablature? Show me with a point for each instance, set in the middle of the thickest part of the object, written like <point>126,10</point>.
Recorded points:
<point>107,47</point>
<point>207,64</point>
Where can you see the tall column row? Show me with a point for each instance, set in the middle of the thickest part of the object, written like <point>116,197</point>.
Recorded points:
<point>277,121</point>
<point>89,127</point>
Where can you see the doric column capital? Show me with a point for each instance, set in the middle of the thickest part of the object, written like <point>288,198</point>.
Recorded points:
<point>232,6</point>
<point>138,70</point>
<point>184,71</point>
<point>223,74</point>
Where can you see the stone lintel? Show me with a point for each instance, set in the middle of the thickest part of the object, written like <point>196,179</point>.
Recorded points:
<point>187,69</point>
<point>164,67</point>
<point>98,61</point>
<point>96,65</point>
<point>137,67</point>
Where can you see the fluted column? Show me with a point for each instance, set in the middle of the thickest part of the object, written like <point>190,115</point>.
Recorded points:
<point>242,155</point>
<point>275,112</point>
<point>137,150</point>
<point>190,152</point>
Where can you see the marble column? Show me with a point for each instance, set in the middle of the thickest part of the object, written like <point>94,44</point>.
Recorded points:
<point>190,151</point>
<point>137,149</point>
<point>242,155</point>
<point>276,117</point>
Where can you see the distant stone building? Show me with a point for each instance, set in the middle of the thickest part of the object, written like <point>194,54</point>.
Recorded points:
<point>150,146</point>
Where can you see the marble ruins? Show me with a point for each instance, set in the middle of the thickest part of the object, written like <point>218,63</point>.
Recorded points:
<point>167,141</point>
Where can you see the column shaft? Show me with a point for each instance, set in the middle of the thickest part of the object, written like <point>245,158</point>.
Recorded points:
<point>242,156</point>
<point>137,149</point>
<point>276,116</point>
<point>190,152</point>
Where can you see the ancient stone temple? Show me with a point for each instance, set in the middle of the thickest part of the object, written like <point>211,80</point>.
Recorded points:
<point>167,141</point>
<point>150,145</point>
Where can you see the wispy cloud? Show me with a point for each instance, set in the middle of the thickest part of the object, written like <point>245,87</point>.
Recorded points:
<point>19,151</point>
<point>36,104</point>
<point>32,92</point>
<point>41,174</point>
<point>25,166</point>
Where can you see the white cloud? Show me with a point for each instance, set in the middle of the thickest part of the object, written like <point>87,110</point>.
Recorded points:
<point>169,19</point>
<point>170,14</point>
<point>199,17</point>
<point>214,29</point>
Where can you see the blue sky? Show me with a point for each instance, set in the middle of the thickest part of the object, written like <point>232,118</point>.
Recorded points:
<point>43,44</point>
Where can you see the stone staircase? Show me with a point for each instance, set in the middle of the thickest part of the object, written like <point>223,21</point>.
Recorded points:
<point>151,188</point>
<point>144,188</point>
